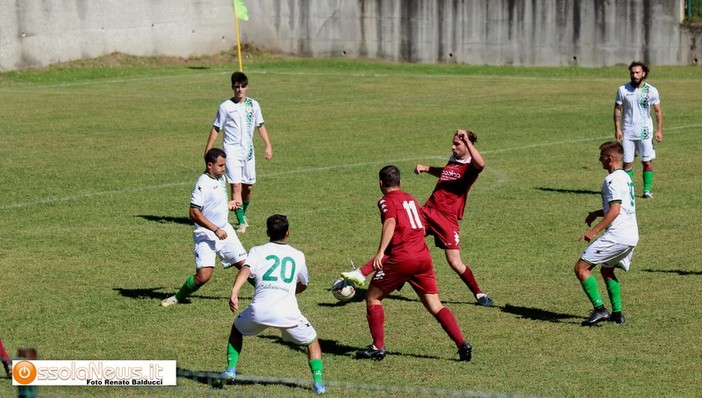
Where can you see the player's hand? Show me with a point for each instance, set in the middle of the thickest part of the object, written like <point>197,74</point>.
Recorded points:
<point>619,135</point>
<point>233,205</point>
<point>462,135</point>
<point>588,236</point>
<point>378,261</point>
<point>221,233</point>
<point>268,153</point>
<point>420,168</point>
<point>234,303</point>
<point>659,136</point>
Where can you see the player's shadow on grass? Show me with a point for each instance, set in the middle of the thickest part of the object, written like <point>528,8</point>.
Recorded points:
<point>575,191</point>
<point>674,271</point>
<point>215,379</point>
<point>166,219</point>
<point>152,293</point>
<point>537,314</point>
<point>333,347</point>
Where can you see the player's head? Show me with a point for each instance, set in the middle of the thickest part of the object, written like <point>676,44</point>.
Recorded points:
<point>277,227</point>
<point>239,79</point>
<point>240,84</point>
<point>611,154</point>
<point>389,177</point>
<point>458,147</point>
<point>215,160</point>
<point>638,72</point>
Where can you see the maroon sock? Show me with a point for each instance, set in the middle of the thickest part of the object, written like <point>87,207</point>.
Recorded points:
<point>450,326</point>
<point>468,278</point>
<point>376,323</point>
<point>367,268</point>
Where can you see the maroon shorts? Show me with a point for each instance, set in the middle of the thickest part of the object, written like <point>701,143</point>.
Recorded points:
<point>418,272</point>
<point>444,229</point>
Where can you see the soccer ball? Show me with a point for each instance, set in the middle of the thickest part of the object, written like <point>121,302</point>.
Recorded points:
<point>343,290</point>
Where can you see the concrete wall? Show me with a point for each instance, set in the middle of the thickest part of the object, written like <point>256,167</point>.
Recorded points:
<point>490,32</point>
<point>43,32</point>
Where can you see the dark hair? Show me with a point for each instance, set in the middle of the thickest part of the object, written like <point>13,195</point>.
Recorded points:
<point>277,226</point>
<point>643,67</point>
<point>472,137</point>
<point>212,155</point>
<point>611,147</point>
<point>389,176</point>
<point>239,78</point>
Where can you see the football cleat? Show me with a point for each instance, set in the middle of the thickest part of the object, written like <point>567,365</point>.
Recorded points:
<point>647,195</point>
<point>355,277</point>
<point>598,315</point>
<point>371,352</point>
<point>319,388</point>
<point>485,301</point>
<point>465,352</point>
<point>229,374</point>
<point>169,301</point>
<point>617,317</point>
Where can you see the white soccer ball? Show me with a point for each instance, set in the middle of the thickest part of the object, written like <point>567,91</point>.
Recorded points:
<point>343,290</point>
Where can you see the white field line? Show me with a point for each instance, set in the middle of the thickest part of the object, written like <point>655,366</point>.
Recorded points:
<point>302,170</point>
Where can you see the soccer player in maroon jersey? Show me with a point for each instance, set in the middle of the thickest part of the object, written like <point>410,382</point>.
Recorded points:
<point>445,207</point>
<point>403,257</point>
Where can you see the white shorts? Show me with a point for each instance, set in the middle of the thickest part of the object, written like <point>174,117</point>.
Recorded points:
<point>240,171</point>
<point>302,334</point>
<point>208,246</point>
<point>644,148</point>
<point>608,254</point>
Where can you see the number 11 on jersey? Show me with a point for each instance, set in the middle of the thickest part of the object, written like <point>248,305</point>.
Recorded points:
<point>412,213</point>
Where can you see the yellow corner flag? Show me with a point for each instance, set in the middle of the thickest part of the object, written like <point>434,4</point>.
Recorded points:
<point>240,10</point>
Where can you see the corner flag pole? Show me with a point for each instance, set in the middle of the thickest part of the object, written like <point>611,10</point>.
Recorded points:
<point>240,12</point>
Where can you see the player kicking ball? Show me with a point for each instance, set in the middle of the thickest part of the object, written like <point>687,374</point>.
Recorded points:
<point>403,257</point>
<point>615,247</point>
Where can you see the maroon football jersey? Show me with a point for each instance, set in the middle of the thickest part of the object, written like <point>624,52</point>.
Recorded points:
<point>451,191</point>
<point>408,239</point>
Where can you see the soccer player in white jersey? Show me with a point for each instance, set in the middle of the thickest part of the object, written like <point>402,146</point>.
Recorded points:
<point>633,125</point>
<point>280,272</point>
<point>616,246</point>
<point>213,235</point>
<point>238,117</point>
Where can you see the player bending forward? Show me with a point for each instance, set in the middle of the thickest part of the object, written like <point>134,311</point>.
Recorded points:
<point>615,247</point>
<point>402,257</point>
<point>280,272</point>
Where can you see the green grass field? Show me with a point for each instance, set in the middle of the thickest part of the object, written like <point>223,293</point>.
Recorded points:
<point>98,161</point>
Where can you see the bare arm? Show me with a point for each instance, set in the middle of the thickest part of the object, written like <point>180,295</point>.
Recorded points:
<point>658,111</point>
<point>607,219</point>
<point>241,278</point>
<point>618,135</point>
<point>197,217</point>
<point>385,238</point>
<point>211,139</point>
<point>478,161</point>
<point>264,136</point>
<point>435,171</point>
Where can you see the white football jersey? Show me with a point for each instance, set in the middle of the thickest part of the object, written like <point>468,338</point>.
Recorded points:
<point>210,196</point>
<point>617,187</point>
<point>238,121</point>
<point>637,123</point>
<point>277,268</point>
